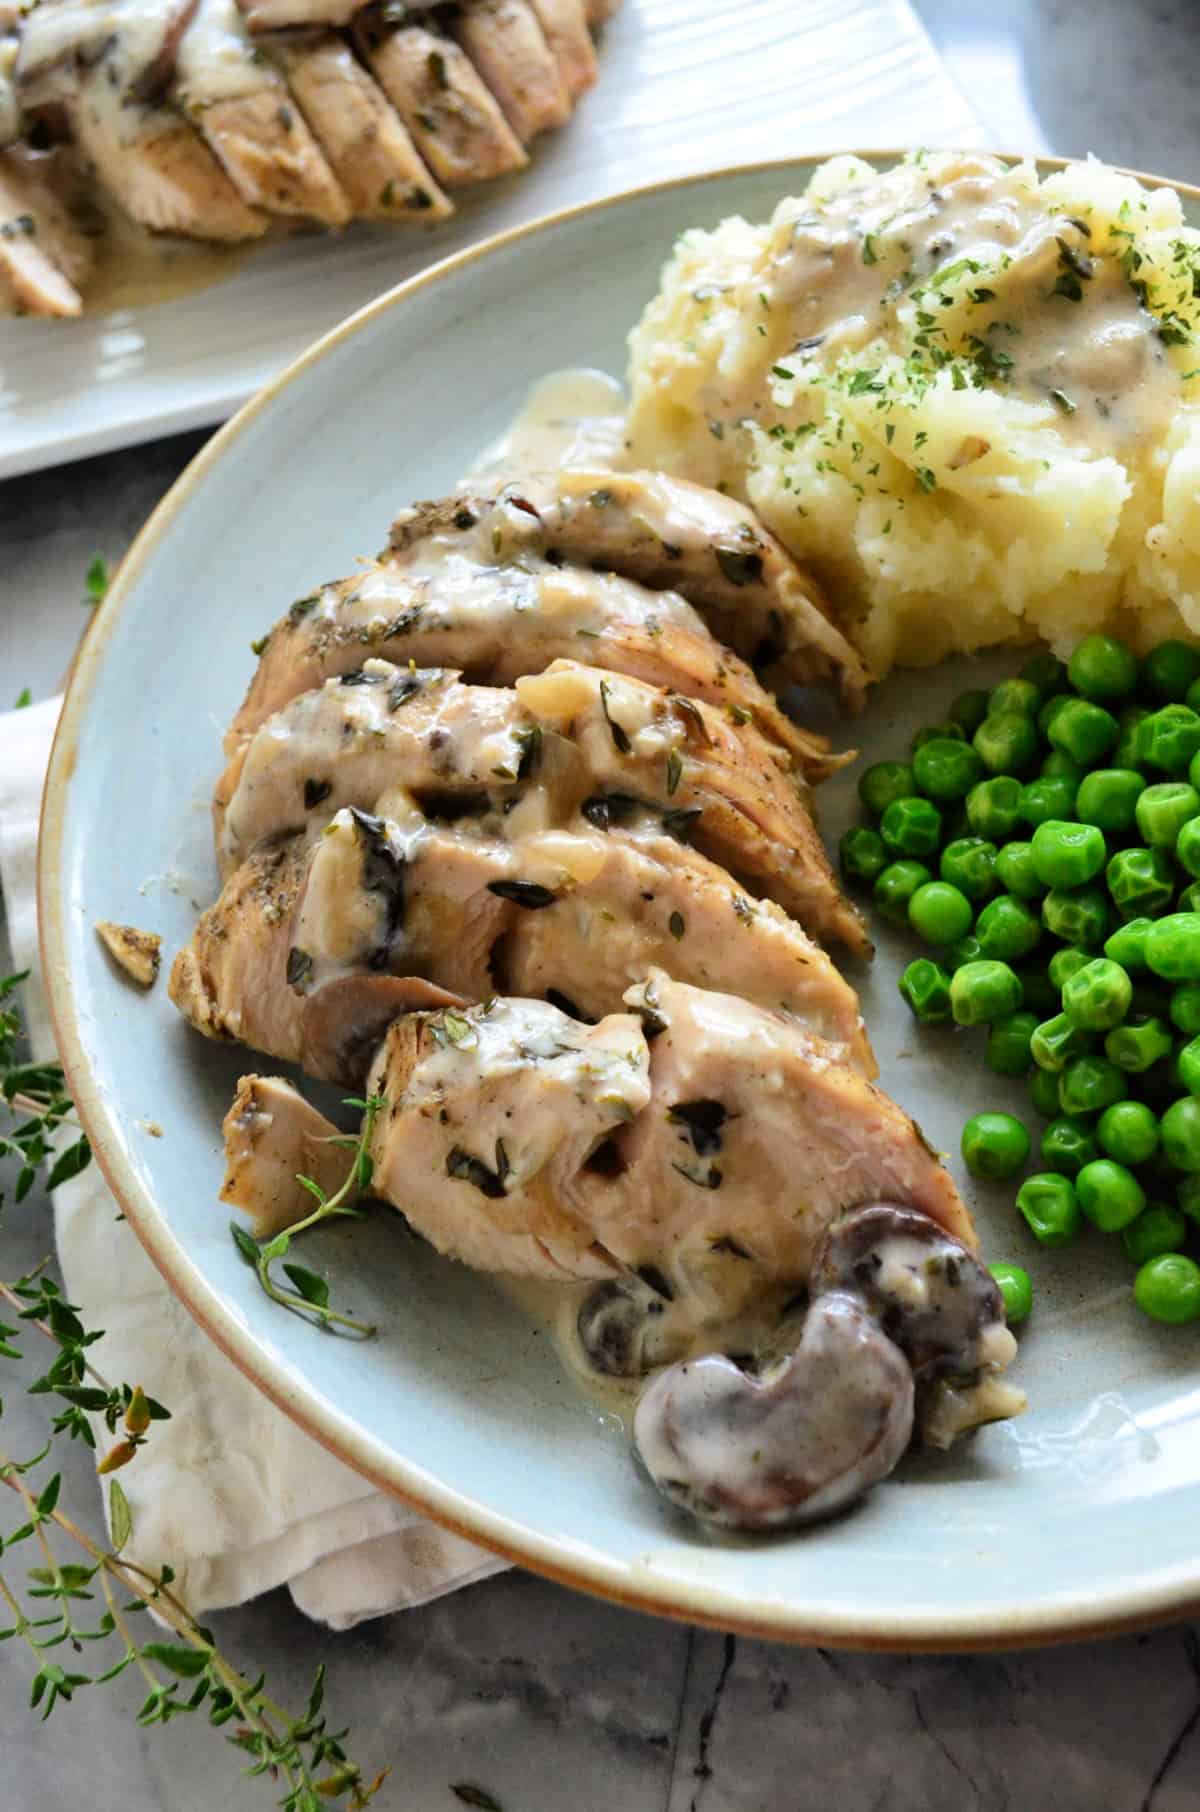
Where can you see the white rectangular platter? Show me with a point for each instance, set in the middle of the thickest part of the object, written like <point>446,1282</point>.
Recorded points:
<point>685,86</point>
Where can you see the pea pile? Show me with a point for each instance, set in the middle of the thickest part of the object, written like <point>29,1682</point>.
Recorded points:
<point>1044,842</point>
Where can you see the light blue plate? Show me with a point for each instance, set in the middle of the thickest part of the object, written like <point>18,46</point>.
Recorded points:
<point>1078,1518</point>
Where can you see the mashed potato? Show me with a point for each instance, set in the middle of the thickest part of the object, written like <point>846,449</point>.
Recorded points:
<point>967,398</point>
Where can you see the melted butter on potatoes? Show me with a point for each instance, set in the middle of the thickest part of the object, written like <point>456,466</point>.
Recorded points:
<point>967,397</point>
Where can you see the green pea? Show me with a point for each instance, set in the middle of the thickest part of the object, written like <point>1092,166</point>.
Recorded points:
<point>911,827</point>
<point>939,913</point>
<point>1058,766</point>
<point>1006,744</point>
<point>1108,798</point>
<point>1128,1132</point>
<point>967,950</point>
<point>862,854</point>
<point>1045,671</point>
<point>1019,695</point>
<point>1187,1195</point>
<point>1141,882</point>
<point>1097,996</point>
<point>969,710</point>
<point>1056,1041</point>
<point>1109,1195</point>
<point>1138,1044</point>
<point>1050,710</point>
<point>1008,1052</point>
<point>1158,1228</point>
<point>1189,899</point>
<point>1067,1145</point>
<point>1102,668</point>
<point>1050,1209</point>
<point>994,1145</point>
<point>884,782</point>
<point>969,863</point>
<point>1185,1008</point>
<point>1173,947</point>
<point>1169,669</point>
<point>1187,1062</point>
<point>1164,809</point>
<point>1006,929</point>
<point>896,886</point>
<point>946,770</point>
<point>1066,963</point>
<point>1016,873</point>
<point>1180,1133</point>
<point>948,731</point>
<point>1124,752</point>
<point>1047,799</point>
<point>994,808</point>
<point>1040,995</point>
<point>1043,1091</point>
<point>1169,739</point>
<point>1127,944</point>
<point>926,987</point>
<point>1084,731</point>
<point>1167,1288</point>
<point>1187,846</point>
<point>1089,1084</point>
<point>1066,854</point>
<point>981,992</point>
<point>1016,1288</point>
<point>1078,915</point>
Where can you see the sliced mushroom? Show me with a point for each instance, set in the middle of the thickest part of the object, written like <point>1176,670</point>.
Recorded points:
<point>345,1020</point>
<point>620,1328</point>
<point>932,1296</point>
<point>805,1439</point>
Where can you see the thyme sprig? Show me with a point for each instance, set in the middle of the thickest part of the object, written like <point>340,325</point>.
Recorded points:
<point>309,1295</point>
<point>62,1610</point>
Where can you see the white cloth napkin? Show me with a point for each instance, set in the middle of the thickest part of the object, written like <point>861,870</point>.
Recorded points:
<point>229,1491</point>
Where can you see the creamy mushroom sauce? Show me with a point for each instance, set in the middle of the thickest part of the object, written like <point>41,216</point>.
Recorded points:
<point>577,416</point>
<point>1063,324</point>
<point>572,417</point>
<point>216,56</point>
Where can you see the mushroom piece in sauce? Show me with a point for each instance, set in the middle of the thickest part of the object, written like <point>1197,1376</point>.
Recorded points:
<point>937,1302</point>
<point>800,1442</point>
<point>819,1426</point>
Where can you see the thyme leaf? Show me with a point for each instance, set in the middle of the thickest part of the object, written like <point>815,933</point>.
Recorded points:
<point>90,1605</point>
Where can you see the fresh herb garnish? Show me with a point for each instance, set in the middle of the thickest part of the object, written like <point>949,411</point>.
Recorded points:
<point>464,1167</point>
<point>74,1648</point>
<point>309,1295</point>
<point>299,968</point>
<point>96,582</point>
<point>703,1120</point>
<point>739,565</point>
<point>529,894</point>
<point>620,737</point>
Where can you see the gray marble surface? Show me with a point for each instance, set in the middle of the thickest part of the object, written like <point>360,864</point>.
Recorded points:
<point>552,1702</point>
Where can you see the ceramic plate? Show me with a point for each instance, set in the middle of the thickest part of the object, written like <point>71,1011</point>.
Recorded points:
<point>1079,1517</point>
<point>866,70</point>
